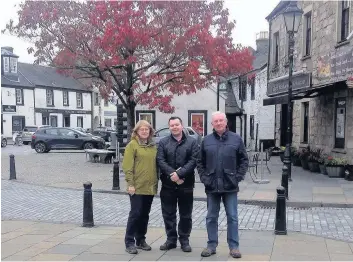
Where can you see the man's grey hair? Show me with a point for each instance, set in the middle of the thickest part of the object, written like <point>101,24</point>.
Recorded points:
<point>219,113</point>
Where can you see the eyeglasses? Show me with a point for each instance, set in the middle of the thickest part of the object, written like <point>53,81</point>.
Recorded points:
<point>144,129</point>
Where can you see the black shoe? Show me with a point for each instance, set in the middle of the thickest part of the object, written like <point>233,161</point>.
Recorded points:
<point>167,246</point>
<point>144,246</point>
<point>207,252</point>
<point>131,250</point>
<point>186,248</point>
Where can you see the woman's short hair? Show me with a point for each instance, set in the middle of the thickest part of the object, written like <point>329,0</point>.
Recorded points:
<point>138,125</point>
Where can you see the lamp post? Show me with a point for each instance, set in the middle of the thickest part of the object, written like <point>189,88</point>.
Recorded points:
<point>292,16</point>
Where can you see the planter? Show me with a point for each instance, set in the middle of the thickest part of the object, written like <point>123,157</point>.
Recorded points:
<point>296,161</point>
<point>322,169</point>
<point>335,171</point>
<point>304,164</point>
<point>314,167</point>
<point>281,155</point>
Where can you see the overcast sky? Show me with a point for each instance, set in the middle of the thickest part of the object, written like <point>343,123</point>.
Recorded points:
<point>249,15</point>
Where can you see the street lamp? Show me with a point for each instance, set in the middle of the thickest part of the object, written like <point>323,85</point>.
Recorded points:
<point>292,16</point>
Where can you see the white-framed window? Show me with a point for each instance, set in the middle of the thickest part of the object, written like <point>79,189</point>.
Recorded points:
<point>19,96</point>
<point>344,20</point>
<point>79,100</point>
<point>80,121</point>
<point>13,65</point>
<point>65,98</point>
<point>50,97</point>
<point>307,44</point>
<point>6,64</point>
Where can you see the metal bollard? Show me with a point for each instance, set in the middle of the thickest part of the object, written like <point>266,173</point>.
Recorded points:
<point>12,167</point>
<point>116,182</point>
<point>284,181</point>
<point>281,221</point>
<point>87,205</point>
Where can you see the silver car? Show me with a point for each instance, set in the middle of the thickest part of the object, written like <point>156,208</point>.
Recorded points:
<point>28,131</point>
<point>163,132</point>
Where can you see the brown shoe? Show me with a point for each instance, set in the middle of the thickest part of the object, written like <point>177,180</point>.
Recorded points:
<point>235,253</point>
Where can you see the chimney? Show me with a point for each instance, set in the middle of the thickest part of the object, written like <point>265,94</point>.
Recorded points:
<point>262,42</point>
<point>8,48</point>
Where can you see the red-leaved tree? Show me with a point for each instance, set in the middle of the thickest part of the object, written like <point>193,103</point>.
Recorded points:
<point>144,51</point>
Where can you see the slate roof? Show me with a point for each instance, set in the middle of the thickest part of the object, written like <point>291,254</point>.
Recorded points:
<point>281,5</point>
<point>7,52</point>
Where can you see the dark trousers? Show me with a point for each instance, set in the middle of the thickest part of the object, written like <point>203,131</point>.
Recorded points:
<point>170,199</point>
<point>137,222</point>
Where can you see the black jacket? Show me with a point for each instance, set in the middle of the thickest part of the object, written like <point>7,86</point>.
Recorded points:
<point>172,154</point>
<point>222,162</point>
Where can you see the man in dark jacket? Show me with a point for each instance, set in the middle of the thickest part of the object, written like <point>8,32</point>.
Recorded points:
<point>222,164</point>
<point>176,157</point>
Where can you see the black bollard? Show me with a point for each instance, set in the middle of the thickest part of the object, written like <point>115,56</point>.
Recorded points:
<point>12,167</point>
<point>284,181</point>
<point>116,182</point>
<point>281,221</point>
<point>87,205</point>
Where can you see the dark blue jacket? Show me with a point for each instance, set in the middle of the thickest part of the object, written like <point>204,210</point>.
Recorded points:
<point>222,162</point>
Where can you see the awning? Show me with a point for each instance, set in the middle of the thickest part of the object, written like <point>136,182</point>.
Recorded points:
<point>277,100</point>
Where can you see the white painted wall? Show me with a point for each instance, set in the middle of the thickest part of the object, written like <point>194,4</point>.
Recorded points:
<point>27,110</point>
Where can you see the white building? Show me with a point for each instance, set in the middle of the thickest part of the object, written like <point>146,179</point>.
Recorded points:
<point>34,95</point>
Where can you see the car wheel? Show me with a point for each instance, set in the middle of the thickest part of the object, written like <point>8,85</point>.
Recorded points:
<point>40,147</point>
<point>88,145</point>
<point>4,142</point>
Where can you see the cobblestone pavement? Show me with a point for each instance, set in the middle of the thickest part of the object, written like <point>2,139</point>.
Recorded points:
<point>30,202</point>
<point>69,169</point>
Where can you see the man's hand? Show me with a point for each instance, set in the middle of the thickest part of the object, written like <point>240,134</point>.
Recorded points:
<point>174,177</point>
<point>131,190</point>
<point>180,181</point>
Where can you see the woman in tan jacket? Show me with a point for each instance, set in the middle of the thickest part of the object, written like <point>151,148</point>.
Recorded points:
<point>140,170</point>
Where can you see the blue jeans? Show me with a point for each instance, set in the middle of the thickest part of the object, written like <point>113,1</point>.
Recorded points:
<point>230,201</point>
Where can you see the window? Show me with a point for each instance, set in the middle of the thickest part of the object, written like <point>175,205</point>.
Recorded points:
<point>108,122</point>
<point>344,20</point>
<point>79,121</point>
<point>45,120</point>
<point>106,102</point>
<point>276,49</point>
<point>65,98</point>
<point>252,127</point>
<point>50,97</point>
<point>79,100</point>
<point>307,34</point>
<point>243,90</point>
<point>340,122</point>
<point>191,132</point>
<point>6,64</point>
<point>148,115</point>
<point>66,132</point>
<point>252,86</point>
<point>13,65</point>
<point>305,136</point>
<point>19,96</point>
<point>96,99</point>
<point>51,131</point>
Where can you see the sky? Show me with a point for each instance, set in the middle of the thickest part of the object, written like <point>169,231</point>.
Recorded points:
<point>249,15</point>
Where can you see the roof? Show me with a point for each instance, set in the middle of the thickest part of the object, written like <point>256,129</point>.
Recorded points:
<point>231,103</point>
<point>7,52</point>
<point>281,5</point>
<point>46,76</point>
<point>18,80</point>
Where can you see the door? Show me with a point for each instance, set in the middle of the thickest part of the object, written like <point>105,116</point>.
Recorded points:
<point>18,123</point>
<point>232,122</point>
<point>245,128</point>
<point>54,121</point>
<point>66,121</point>
<point>69,138</point>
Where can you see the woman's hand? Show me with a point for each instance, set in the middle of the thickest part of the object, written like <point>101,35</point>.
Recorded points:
<point>131,190</point>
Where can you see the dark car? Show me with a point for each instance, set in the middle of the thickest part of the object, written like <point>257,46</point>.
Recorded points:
<point>105,134</point>
<point>46,139</point>
<point>163,132</point>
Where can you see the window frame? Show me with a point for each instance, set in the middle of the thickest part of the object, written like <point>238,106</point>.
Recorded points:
<point>21,96</point>
<point>276,49</point>
<point>79,97</point>
<point>77,121</point>
<point>339,143</point>
<point>308,34</point>
<point>67,98</point>
<point>49,91</point>
<point>344,23</point>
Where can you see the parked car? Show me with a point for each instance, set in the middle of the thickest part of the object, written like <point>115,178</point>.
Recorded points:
<point>81,129</point>
<point>46,139</point>
<point>163,132</point>
<point>3,141</point>
<point>105,134</point>
<point>28,131</point>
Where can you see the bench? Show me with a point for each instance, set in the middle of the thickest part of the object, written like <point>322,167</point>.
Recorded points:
<point>100,155</point>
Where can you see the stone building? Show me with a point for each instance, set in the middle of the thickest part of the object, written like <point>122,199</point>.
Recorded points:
<point>323,65</point>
